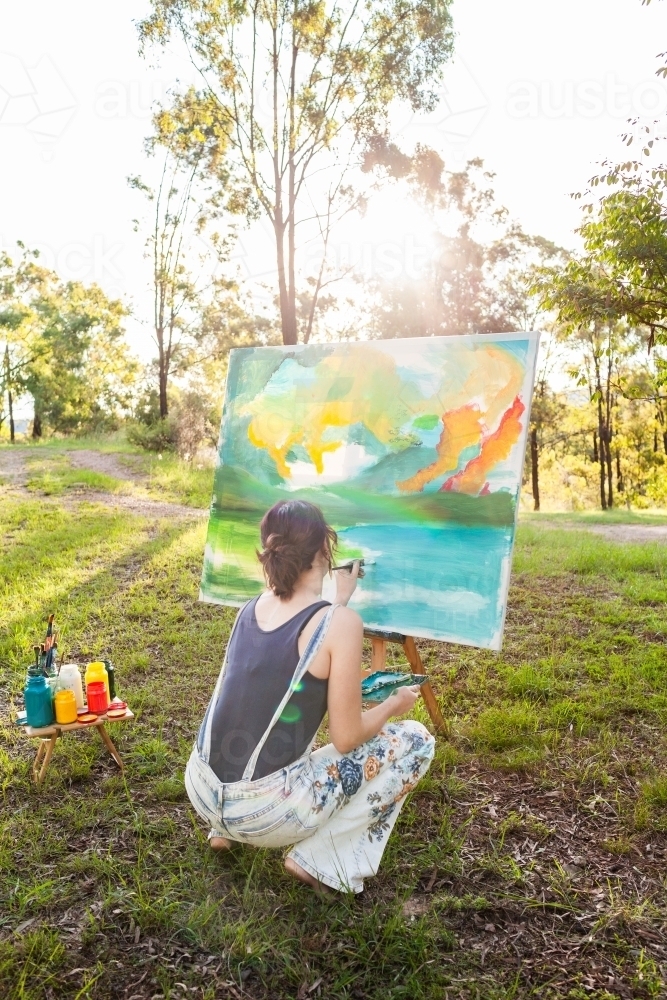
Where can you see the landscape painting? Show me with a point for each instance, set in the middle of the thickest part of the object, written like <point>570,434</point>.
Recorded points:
<point>414,451</point>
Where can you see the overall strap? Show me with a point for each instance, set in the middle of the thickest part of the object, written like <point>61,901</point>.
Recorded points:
<point>204,736</point>
<point>309,654</point>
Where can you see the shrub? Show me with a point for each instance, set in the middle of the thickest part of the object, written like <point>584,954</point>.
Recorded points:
<point>162,435</point>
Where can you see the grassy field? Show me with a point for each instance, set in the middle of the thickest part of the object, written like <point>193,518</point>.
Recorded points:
<point>532,861</point>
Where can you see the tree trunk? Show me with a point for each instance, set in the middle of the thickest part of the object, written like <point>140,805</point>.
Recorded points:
<point>607,424</point>
<point>10,398</point>
<point>664,441</point>
<point>620,486</point>
<point>291,200</point>
<point>287,313</point>
<point>535,468</point>
<point>164,404</point>
<point>610,484</point>
<point>595,447</point>
<point>36,423</point>
<point>603,490</point>
<point>163,375</point>
<point>11,416</point>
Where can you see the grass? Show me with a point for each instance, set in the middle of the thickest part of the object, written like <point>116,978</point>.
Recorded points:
<point>530,862</point>
<point>172,479</point>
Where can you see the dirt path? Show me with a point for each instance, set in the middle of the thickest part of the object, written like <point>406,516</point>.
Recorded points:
<point>105,462</point>
<point>15,474</point>
<point>12,466</point>
<point>620,533</point>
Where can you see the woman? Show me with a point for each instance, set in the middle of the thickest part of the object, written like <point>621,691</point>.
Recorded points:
<point>291,658</point>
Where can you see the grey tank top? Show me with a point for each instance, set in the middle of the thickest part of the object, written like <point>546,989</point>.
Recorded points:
<point>260,668</point>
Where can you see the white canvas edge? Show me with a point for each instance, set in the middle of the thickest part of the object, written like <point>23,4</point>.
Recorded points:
<point>507,569</point>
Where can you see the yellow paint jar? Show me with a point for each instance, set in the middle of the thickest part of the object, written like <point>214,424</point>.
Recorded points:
<point>96,671</point>
<point>65,704</point>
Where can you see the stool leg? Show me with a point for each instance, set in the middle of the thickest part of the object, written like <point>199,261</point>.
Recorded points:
<point>41,749</point>
<point>39,775</point>
<point>378,654</point>
<point>415,661</point>
<point>106,739</point>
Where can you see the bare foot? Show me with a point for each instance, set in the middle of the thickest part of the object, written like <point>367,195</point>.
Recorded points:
<point>220,844</point>
<point>303,876</point>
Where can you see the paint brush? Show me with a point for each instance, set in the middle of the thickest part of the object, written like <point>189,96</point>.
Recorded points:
<point>49,631</point>
<point>348,565</point>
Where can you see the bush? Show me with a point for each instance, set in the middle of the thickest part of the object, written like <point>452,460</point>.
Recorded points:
<point>194,426</point>
<point>162,435</point>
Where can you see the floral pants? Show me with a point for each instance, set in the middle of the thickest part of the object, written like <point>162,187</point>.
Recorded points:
<point>337,809</point>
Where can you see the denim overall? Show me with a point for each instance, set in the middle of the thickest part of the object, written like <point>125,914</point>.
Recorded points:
<point>339,808</point>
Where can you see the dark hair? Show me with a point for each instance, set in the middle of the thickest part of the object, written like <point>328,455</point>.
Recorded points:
<point>292,534</point>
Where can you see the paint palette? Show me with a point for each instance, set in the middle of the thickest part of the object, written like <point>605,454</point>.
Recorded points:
<point>384,683</point>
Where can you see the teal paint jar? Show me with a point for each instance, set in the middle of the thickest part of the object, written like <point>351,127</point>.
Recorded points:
<point>38,702</point>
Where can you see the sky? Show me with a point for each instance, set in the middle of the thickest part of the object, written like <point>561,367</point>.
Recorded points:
<point>541,89</point>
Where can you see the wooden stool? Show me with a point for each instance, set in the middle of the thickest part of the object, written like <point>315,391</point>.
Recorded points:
<point>379,639</point>
<point>48,736</point>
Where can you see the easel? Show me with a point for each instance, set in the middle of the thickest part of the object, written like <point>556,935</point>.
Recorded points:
<point>379,639</point>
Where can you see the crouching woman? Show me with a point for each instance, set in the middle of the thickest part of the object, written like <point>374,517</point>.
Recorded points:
<point>291,659</point>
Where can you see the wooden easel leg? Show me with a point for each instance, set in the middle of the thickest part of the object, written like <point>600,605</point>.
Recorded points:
<point>415,661</point>
<point>45,750</point>
<point>106,739</point>
<point>378,654</point>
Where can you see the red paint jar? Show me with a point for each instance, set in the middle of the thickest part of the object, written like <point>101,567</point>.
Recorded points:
<point>97,697</point>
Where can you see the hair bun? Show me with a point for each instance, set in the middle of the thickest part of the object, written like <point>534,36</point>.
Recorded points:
<point>292,532</point>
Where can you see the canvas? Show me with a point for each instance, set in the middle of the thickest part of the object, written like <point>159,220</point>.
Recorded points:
<point>414,451</point>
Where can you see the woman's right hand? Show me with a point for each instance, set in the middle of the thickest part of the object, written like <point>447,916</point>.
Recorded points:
<point>346,582</point>
<point>403,700</point>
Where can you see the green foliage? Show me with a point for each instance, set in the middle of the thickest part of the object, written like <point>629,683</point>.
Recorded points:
<point>160,436</point>
<point>66,347</point>
<point>335,73</point>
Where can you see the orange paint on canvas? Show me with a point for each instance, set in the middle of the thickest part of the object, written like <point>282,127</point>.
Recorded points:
<point>461,429</point>
<point>495,448</point>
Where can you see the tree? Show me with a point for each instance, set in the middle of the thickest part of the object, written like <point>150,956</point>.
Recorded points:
<point>292,92</point>
<point>546,412</point>
<point>625,242</point>
<point>479,280</point>
<point>587,316</point>
<point>19,281</point>
<point>175,294</point>
<point>65,345</point>
<point>83,375</point>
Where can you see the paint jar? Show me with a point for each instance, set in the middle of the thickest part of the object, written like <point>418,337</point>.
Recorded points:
<point>38,702</point>
<point>96,671</point>
<point>65,705</point>
<point>98,700</point>
<point>111,674</point>
<point>69,679</point>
